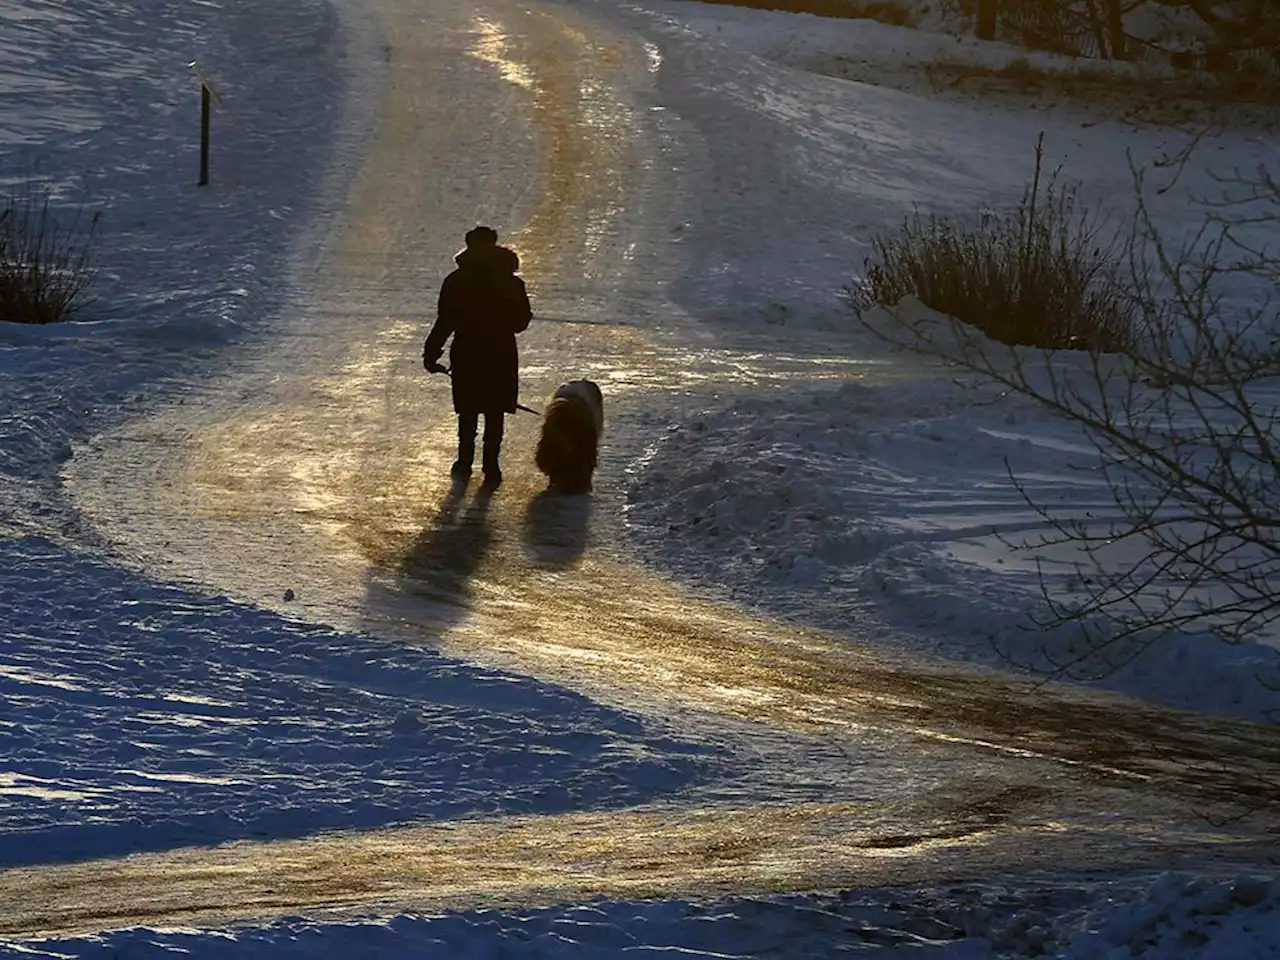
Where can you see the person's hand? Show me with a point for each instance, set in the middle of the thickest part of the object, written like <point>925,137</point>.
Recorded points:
<point>434,366</point>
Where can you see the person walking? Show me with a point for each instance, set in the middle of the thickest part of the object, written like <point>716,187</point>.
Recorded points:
<point>483,305</point>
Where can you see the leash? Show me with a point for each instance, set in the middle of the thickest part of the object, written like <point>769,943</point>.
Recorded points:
<point>519,406</point>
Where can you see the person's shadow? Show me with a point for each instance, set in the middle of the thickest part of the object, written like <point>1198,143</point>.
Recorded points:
<point>446,554</point>
<point>556,529</point>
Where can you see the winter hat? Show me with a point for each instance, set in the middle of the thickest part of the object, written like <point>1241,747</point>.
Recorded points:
<point>481,237</point>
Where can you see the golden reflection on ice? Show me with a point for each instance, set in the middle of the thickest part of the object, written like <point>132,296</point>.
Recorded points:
<point>585,127</point>
<point>491,47</point>
<point>544,860</point>
<point>654,56</point>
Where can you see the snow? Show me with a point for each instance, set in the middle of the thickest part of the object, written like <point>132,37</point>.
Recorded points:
<point>145,715</point>
<point>151,717</point>
<point>865,50</point>
<point>1145,917</point>
<point>99,102</point>
<point>888,504</point>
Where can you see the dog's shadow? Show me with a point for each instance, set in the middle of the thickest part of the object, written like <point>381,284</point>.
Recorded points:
<point>557,528</point>
<point>446,554</point>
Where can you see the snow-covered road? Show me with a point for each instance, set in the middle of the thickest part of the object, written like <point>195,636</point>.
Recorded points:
<point>318,466</point>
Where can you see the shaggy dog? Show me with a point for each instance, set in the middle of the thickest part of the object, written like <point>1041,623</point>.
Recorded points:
<point>571,428</point>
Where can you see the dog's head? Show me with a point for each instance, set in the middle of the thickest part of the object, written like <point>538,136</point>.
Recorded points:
<point>587,390</point>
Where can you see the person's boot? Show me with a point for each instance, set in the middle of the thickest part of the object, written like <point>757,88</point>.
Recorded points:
<point>492,473</point>
<point>461,469</point>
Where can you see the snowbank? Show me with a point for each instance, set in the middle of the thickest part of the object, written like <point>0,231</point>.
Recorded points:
<point>99,101</point>
<point>148,717</point>
<point>885,510</point>
<point>880,507</point>
<point>1167,917</point>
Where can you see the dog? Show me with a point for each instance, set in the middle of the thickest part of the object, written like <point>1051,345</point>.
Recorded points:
<point>571,428</point>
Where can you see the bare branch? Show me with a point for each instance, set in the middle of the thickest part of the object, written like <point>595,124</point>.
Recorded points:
<point>1183,424</point>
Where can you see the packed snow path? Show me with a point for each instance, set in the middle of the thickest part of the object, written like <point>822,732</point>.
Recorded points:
<point>320,469</point>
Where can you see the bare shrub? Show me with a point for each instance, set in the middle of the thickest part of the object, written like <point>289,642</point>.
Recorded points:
<point>1046,274</point>
<point>45,252</point>
<point>1185,422</point>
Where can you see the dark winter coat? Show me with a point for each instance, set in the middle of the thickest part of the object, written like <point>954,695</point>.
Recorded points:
<point>483,304</point>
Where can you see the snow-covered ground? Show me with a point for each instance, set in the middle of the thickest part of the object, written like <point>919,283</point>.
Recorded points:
<point>885,502</point>
<point>100,103</point>
<point>865,50</point>
<point>886,509</point>
<point>1152,916</point>
<point>141,715</point>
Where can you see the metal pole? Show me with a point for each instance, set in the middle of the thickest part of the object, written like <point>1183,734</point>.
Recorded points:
<point>204,134</point>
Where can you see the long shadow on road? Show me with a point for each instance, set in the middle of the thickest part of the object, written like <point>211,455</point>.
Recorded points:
<point>556,529</point>
<point>442,560</point>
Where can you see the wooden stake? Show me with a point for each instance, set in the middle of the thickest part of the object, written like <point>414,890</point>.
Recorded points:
<point>209,97</point>
<point>205,110</point>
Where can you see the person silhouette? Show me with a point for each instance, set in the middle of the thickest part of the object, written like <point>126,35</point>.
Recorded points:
<point>483,305</point>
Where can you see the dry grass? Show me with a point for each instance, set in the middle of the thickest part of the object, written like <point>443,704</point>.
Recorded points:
<point>1046,274</point>
<point>1249,97</point>
<point>44,257</point>
<point>884,11</point>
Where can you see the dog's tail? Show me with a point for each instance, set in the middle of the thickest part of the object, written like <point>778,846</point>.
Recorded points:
<point>568,447</point>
